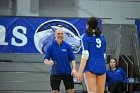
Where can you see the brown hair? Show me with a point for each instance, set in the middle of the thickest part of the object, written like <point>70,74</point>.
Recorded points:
<point>115,61</point>
<point>92,23</point>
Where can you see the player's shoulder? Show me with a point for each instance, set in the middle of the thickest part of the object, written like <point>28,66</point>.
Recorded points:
<point>119,68</point>
<point>101,36</point>
<point>108,71</point>
<point>85,35</point>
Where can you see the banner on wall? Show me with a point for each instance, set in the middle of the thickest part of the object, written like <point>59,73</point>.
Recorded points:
<point>34,34</point>
<point>137,23</point>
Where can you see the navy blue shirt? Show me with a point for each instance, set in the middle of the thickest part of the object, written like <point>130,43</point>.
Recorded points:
<point>96,47</point>
<point>116,75</point>
<point>62,56</point>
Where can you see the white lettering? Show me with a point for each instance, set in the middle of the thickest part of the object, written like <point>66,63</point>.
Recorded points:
<point>20,36</point>
<point>2,35</point>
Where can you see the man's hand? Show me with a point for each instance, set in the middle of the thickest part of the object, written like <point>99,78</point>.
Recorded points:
<point>74,72</point>
<point>48,62</point>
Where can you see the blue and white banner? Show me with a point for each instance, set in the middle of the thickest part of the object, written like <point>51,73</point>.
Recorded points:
<point>34,34</point>
<point>137,23</point>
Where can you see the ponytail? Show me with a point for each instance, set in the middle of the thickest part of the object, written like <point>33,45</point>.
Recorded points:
<point>93,28</point>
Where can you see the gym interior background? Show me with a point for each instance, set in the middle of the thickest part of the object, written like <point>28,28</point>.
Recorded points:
<point>26,72</point>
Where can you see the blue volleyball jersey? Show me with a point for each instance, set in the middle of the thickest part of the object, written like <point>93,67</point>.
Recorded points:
<point>62,56</point>
<point>96,47</point>
<point>113,76</point>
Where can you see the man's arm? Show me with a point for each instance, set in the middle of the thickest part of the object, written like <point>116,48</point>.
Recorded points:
<point>74,72</point>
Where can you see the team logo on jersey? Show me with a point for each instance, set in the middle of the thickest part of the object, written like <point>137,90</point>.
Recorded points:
<point>44,35</point>
<point>64,49</point>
